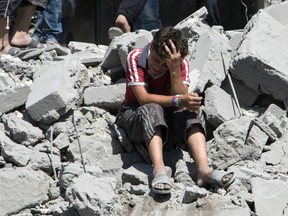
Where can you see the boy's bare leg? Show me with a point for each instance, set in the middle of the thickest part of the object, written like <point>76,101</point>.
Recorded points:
<point>197,145</point>
<point>155,148</point>
<point>20,35</point>
<point>4,40</point>
<point>122,23</point>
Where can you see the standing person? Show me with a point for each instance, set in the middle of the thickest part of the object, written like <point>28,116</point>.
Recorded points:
<point>68,12</point>
<point>133,15</point>
<point>158,109</point>
<point>48,27</point>
<point>149,17</point>
<point>18,36</point>
<point>127,14</point>
<point>213,17</point>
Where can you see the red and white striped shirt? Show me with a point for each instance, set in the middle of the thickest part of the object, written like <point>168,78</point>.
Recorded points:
<point>137,74</point>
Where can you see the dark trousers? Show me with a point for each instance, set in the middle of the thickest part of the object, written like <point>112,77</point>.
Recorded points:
<point>131,9</point>
<point>213,13</point>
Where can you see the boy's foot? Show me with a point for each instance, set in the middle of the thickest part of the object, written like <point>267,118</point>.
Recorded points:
<point>218,178</point>
<point>161,184</point>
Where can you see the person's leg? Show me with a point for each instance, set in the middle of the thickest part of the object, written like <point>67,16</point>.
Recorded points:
<point>155,148</point>
<point>127,14</point>
<point>4,40</point>
<point>52,27</point>
<point>20,36</point>
<point>37,34</point>
<point>122,23</point>
<point>213,13</point>
<point>145,125</point>
<point>197,145</point>
<point>149,17</point>
<point>68,12</point>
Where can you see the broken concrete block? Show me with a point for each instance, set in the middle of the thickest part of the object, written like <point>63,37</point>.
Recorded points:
<point>261,59</point>
<point>208,58</point>
<point>43,161</point>
<point>273,122</point>
<point>127,42</point>
<point>271,196</point>
<point>109,97</point>
<point>76,46</point>
<point>193,193</point>
<point>13,152</point>
<point>193,25</point>
<point>53,93</point>
<point>94,191</point>
<point>14,97</point>
<point>25,181</point>
<point>279,12</point>
<point>246,96</point>
<point>86,58</point>
<point>219,106</point>
<point>275,155</point>
<point>236,140</point>
<point>22,131</point>
<point>5,80</point>
<point>234,37</point>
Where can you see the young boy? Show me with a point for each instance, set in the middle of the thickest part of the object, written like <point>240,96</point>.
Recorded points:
<point>157,106</point>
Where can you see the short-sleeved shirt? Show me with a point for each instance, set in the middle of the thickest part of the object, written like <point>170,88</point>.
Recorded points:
<point>137,73</point>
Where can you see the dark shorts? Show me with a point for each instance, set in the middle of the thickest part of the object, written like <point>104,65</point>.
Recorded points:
<point>139,123</point>
<point>15,4</point>
<point>131,9</point>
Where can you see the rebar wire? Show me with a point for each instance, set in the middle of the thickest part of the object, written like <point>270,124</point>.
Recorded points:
<point>79,144</point>
<point>7,17</point>
<point>51,152</point>
<point>231,85</point>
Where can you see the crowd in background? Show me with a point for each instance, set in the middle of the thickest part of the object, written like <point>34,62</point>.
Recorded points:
<point>53,17</point>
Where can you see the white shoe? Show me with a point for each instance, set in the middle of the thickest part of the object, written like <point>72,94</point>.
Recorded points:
<point>114,32</point>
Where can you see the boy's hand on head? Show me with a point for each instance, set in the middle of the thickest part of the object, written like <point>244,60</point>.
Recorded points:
<point>191,101</point>
<point>174,59</point>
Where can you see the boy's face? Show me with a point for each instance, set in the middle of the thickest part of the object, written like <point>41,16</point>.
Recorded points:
<point>156,65</point>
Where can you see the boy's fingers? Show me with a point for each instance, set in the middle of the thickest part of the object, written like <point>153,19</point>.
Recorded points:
<point>172,45</point>
<point>167,49</point>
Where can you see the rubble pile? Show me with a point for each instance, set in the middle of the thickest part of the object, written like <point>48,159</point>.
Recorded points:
<point>61,154</point>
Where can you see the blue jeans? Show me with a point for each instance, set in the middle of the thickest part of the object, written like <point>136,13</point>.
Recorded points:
<point>149,17</point>
<point>48,26</point>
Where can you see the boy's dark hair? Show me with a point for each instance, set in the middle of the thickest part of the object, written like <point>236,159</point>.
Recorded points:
<point>163,35</point>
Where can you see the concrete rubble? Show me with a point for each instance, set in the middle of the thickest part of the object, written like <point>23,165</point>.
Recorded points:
<point>61,155</point>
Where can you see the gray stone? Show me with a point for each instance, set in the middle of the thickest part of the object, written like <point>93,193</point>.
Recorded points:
<point>234,141</point>
<point>265,72</point>
<point>29,188</point>
<point>22,131</point>
<point>219,106</point>
<point>92,196</point>
<point>127,42</point>
<point>14,97</point>
<point>208,58</point>
<point>271,197</point>
<point>109,97</point>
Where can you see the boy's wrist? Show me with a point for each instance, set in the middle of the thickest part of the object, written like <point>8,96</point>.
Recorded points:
<point>176,100</point>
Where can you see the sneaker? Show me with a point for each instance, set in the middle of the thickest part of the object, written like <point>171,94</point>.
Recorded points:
<point>114,32</point>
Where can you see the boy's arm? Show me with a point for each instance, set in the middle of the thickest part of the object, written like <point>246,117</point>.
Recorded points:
<point>174,62</point>
<point>144,97</point>
<point>189,100</point>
